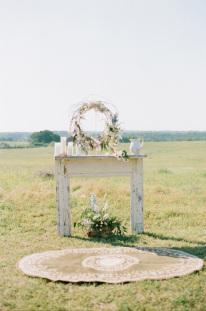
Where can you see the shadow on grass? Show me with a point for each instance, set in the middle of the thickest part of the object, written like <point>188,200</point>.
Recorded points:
<point>199,248</point>
<point>116,240</point>
<point>160,236</point>
<point>131,240</point>
<point>199,251</point>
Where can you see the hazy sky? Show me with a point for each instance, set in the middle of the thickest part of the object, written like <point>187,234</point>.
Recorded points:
<point>146,57</point>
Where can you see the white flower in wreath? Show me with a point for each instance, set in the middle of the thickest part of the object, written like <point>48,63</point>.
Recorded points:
<point>107,140</point>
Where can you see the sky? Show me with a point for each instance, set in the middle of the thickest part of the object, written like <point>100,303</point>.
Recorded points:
<point>146,57</point>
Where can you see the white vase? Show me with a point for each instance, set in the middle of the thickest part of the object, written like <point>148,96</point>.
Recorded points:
<point>135,146</point>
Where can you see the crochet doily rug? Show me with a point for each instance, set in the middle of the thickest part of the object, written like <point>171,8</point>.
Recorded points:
<point>111,265</point>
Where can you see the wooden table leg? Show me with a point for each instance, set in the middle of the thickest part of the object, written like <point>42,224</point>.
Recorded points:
<point>137,217</point>
<point>63,198</point>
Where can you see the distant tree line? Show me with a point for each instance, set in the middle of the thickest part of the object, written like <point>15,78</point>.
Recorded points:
<point>14,136</point>
<point>43,138</point>
<point>159,135</point>
<point>7,145</point>
<point>46,137</point>
<point>164,135</point>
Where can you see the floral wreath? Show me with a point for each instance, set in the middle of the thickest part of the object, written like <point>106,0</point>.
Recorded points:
<point>110,136</point>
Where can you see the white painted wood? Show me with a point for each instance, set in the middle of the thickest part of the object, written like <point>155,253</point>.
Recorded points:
<point>63,198</point>
<point>137,219</point>
<point>67,167</point>
<point>98,167</point>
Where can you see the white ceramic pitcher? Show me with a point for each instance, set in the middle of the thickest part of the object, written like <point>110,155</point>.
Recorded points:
<point>136,145</point>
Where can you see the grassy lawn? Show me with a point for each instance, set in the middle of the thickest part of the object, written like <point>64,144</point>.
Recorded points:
<point>175,209</point>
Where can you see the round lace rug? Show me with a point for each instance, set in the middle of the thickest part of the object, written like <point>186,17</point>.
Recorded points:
<point>111,265</point>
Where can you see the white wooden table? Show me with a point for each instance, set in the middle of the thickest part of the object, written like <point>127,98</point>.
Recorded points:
<point>93,165</point>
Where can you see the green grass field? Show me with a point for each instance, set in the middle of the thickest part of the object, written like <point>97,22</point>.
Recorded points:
<point>175,209</point>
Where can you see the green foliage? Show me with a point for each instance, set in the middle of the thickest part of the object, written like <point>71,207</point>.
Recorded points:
<point>122,154</point>
<point>99,223</point>
<point>43,137</point>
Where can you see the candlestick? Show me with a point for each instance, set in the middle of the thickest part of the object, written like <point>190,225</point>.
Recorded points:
<point>63,145</point>
<point>78,150</point>
<point>57,149</point>
<point>70,149</point>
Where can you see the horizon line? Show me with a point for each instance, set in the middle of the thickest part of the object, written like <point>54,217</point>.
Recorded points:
<point>130,130</point>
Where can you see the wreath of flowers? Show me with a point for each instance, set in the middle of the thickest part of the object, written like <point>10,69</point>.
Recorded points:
<point>110,136</point>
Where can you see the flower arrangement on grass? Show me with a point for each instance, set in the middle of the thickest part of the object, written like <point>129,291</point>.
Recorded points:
<point>98,223</point>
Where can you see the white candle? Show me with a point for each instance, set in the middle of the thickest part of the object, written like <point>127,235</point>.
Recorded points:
<point>70,149</point>
<point>57,149</point>
<point>63,145</point>
<point>78,150</point>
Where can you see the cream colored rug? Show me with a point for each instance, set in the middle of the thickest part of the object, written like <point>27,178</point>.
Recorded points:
<point>111,265</point>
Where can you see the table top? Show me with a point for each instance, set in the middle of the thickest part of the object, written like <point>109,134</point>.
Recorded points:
<point>102,156</point>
